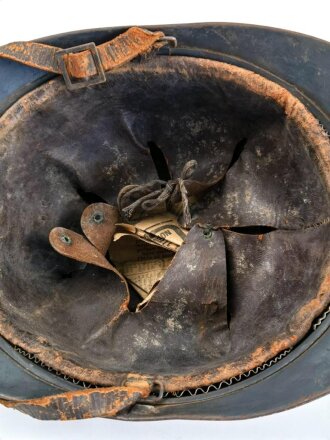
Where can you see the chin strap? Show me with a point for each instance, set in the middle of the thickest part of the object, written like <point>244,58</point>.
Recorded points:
<point>85,404</point>
<point>86,64</point>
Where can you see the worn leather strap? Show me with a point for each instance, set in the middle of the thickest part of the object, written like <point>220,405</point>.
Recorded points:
<point>80,65</point>
<point>74,405</point>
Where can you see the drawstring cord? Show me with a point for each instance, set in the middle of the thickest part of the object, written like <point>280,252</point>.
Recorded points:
<point>157,194</point>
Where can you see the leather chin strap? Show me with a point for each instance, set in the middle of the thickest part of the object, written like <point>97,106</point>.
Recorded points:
<point>74,405</point>
<point>87,63</point>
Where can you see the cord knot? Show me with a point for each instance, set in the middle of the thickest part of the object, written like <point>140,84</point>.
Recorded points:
<point>157,196</point>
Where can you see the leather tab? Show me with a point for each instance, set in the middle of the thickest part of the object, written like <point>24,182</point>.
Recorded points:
<point>85,404</point>
<point>98,222</point>
<point>73,245</point>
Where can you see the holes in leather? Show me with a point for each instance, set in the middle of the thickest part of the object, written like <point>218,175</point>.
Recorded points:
<point>252,230</point>
<point>89,197</point>
<point>134,299</point>
<point>237,151</point>
<point>160,161</point>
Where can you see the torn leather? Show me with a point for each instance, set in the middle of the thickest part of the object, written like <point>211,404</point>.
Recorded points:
<point>63,310</point>
<point>85,404</point>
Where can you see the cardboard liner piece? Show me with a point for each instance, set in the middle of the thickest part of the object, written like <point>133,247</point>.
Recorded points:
<point>143,251</point>
<point>143,264</point>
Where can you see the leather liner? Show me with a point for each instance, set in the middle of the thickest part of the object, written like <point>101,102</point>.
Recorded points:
<point>193,109</point>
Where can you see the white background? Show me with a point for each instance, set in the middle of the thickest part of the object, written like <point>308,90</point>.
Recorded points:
<point>30,19</point>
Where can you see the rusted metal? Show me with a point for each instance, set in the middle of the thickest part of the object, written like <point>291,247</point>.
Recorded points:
<point>99,78</point>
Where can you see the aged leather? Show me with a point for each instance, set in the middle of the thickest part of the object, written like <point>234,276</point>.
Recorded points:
<point>135,41</point>
<point>229,301</point>
<point>98,223</point>
<point>85,404</point>
<point>159,196</point>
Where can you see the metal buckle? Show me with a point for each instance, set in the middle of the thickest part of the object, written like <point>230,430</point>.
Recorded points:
<point>99,78</point>
<point>170,41</point>
<point>154,398</point>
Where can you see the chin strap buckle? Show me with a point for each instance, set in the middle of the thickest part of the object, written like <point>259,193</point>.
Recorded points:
<point>99,78</point>
<point>85,65</point>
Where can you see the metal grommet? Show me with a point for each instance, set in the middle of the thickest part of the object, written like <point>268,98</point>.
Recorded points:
<point>66,240</point>
<point>207,232</point>
<point>98,217</point>
<point>170,41</point>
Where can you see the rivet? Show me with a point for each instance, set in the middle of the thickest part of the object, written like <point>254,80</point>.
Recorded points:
<point>66,239</point>
<point>207,233</point>
<point>98,217</point>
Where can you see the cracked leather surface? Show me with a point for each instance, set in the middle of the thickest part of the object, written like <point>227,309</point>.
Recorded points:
<point>60,151</point>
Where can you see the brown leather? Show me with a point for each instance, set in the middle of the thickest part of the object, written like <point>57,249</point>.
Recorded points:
<point>61,150</point>
<point>75,246</point>
<point>74,405</point>
<point>98,223</point>
<point>114,53</point>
